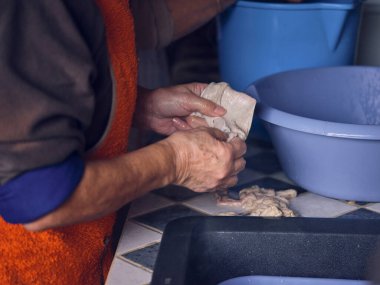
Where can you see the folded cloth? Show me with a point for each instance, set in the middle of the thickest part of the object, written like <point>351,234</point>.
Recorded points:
<point>240,108</point>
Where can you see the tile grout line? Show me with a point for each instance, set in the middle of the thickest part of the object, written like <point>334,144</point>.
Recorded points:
<point>344,213</point>
<point>373,211</point>
<point>151,211</point>
<point>370,204</point>
<point>196,209</point>
<point>125,235</point>
<point>135,264</point>
<point>171,202</point>
<point>140,247</point>
<point>148,227</point>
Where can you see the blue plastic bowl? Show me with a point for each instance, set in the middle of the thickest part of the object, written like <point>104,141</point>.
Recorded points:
<point>325,126</point>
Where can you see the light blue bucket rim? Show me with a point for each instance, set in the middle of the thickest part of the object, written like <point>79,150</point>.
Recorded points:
<point>309,125</point>
<point>309,5</point>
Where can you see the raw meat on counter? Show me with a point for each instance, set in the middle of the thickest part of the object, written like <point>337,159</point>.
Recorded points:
<point>256,201</point>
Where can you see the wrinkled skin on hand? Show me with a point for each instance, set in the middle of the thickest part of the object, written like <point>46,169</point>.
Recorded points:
<point>167,110</point>
<point>204,160</point>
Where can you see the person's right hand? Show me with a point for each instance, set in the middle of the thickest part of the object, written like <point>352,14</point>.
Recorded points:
<point>205,161</point>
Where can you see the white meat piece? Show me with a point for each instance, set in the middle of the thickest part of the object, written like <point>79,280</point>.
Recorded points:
<point>261,202</point>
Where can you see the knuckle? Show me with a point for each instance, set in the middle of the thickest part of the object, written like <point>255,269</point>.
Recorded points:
<point>227,152</point>
<point>225,170</point>
<point>200,189</point>
<point>219,176</point>
<point>244,147</point>
<point>230,157</point>
<point>213,185</point>
<point>208,104</point>
<point>243,163</point>
<point>234,181</point>
<point>204,131</point>
<point>240,144</point>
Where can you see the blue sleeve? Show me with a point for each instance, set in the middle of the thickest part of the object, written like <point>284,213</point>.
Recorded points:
<point>34,194</point>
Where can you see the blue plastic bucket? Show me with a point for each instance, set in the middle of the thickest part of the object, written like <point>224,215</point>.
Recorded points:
<point>257,39</point>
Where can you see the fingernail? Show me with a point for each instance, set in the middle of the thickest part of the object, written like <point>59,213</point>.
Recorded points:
<point>220,111</point>
<point>181,124</point>
<point>178,122</point>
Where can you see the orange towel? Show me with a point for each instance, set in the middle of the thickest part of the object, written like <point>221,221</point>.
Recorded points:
<point>79,254</point>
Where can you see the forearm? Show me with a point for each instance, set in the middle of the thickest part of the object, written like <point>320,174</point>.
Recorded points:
<point>107,185</point>
<point>190,15</point>
<point>160,22</point>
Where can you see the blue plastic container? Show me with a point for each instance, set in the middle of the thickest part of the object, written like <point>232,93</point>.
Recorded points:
<point>259,38</point>
<point>325,126</point>
<point>274,280</point>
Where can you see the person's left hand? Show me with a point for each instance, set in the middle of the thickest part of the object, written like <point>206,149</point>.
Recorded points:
<point>167,110</point>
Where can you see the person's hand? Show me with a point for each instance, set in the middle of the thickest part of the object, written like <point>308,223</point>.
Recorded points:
<point>167,110</point>
<point>204,161</point>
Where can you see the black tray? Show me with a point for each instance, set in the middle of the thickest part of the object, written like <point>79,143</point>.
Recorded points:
<point>209,250</point>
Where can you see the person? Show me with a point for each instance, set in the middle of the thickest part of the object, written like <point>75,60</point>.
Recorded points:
<point>68,96</point>
<point>161,22</point>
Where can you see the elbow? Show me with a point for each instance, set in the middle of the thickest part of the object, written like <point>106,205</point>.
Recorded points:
<point>33,227</point>
<point>40,225</point>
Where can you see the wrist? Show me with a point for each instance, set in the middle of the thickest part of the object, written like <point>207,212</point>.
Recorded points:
<point>179,161</point>
<point>168,155</point>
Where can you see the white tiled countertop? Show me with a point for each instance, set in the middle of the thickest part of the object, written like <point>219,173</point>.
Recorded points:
<point>139,243</point>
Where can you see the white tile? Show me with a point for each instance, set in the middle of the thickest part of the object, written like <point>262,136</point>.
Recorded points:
<point>135,236</point>
<point>148,203</point>
<point>249,175</point>
<point>374,207</point>
<point>312,205</point>
<point>282,177</point>
<point>207,204</point>
<point>122,272</point>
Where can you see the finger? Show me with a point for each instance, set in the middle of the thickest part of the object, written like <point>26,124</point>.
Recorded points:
<point>204,106</point>
<point>239,148</point>
<point>196,122</point>
<point>181,125</point>
<point>239,165</point>
<point>218,134</point>
<point>229,182</point>
<point>219,188</point>
<point>196,87</point>
<point>222,192</point>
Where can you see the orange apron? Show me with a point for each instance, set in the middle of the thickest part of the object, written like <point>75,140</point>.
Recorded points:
<point>80,254</point>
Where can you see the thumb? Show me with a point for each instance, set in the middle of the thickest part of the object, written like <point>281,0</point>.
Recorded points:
<point>218,134</point>
<point>206,107</point>
<point>196,122</point>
